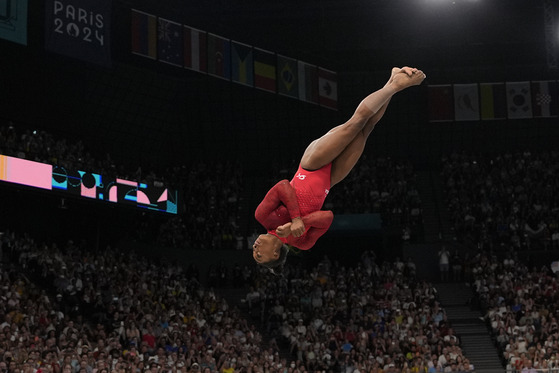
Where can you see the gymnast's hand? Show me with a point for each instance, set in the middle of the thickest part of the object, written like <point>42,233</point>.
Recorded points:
<point>284,230</point>
<point>297,227</point>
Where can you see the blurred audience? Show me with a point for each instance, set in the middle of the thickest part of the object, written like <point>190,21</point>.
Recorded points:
<point>504,202</point>
<point>370,318</point>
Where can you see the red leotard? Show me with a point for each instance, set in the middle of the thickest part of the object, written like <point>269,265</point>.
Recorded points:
<point>302,197</point>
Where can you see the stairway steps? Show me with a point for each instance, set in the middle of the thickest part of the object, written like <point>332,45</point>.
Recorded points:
<point>475,341</point>
<point>462,314</point>
<point>471,330</point>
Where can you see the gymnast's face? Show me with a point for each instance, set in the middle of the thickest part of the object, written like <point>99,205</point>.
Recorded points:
<point>266,248</point>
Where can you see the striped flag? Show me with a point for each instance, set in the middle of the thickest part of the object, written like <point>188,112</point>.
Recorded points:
<point>169,42</point>
<point>264,70</point>
<point>440,103</point>
<point>287,77</point>
<point>327,88</point>
<point>466,102</point>
<point>219,56</point>
<point>195,49</point>
<point>519,100</point>
<point>493,101</point>
<point>242,69</point>
<point>308,82</point>
<point>144,34</point>
<point>545,98</point>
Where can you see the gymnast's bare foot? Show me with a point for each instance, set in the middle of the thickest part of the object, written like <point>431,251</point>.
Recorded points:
<point>405,78</point>
<point>396,70</point>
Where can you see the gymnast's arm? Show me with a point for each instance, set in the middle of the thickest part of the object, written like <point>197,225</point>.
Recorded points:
<point>318,223</point>
<point>281,194</point>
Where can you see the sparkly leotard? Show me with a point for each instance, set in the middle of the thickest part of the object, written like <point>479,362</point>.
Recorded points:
<point>302,197</point>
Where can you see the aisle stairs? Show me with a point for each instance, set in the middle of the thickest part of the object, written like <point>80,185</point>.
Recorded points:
<point>475,339</point>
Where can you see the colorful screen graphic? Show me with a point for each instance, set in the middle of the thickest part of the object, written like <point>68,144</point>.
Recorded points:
<point>88,185</point>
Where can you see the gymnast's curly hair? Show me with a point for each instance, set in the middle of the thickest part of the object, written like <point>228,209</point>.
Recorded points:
<point>276,266</point>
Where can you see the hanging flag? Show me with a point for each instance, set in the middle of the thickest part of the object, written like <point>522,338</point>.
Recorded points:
<point>308,82</point>
<point>545,98</point>
<point>440,103</point>
<point>287,77</point>
<point>493,101</point>
<point>219,57</point>
<point>466,102</point>
<point>519,100</point>
<point>327,88</point>
<point>79,29</point>
<point>13,21</point>
<point>144,34</point>
<point>242,69</point>
<point>264,70</point>
<point>195,49</point>
<point>169,42</point>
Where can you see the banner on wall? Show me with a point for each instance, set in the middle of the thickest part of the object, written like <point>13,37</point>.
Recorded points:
<point>264,70</point>
<point>308,82</point>
<point>83,184</point>
<point>493,101</point>
<point>519,100</point>
<point>242,71</point>
<point>170,46</point>
<point>327,88</point>
<point>79,29</point>
<point>288,84</point>
<point>143,31</point>
<point>13,21</point>
<point>219,56</point>
<point>545,98</point>
<point>440,103</point>
<point>466,102</point>
<point>195,49</point>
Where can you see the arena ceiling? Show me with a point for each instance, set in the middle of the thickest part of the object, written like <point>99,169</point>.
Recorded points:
<point>360,35</point>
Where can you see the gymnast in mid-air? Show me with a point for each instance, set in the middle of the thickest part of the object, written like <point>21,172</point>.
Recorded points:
<point>291,211</point>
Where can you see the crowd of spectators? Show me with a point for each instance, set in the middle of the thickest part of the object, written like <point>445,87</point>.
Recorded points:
<point>214,212</point>
<point>211,191</point>
<point>363,318</point>
<point>503,202</point>
<point>42,146</point>
<point>66,309</point>
<point>521,310</point>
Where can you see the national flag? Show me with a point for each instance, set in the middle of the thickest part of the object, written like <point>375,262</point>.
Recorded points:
<point>144,34</point>
<point>466,102</point>
<point>545,98</point>
<point>287,77</point>
<point>169,42</point>
<point>327,88</point>
<point>13,21</point>
<point>264,70</point>
<point>242,67</point>
<point>493,101</point>
<point>308,82</point>
<point>440,103</point>
<point>195,49</point>
<point>519,100</point>
<point>219,56</point>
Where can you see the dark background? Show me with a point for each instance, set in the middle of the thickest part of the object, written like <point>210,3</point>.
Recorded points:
<point>146,113</point>
<point>153,114</point>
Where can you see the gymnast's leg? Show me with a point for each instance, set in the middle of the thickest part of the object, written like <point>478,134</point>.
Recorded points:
<point>344,144</point>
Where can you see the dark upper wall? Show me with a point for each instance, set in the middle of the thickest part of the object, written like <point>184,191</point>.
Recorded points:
<point>155,114</point>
